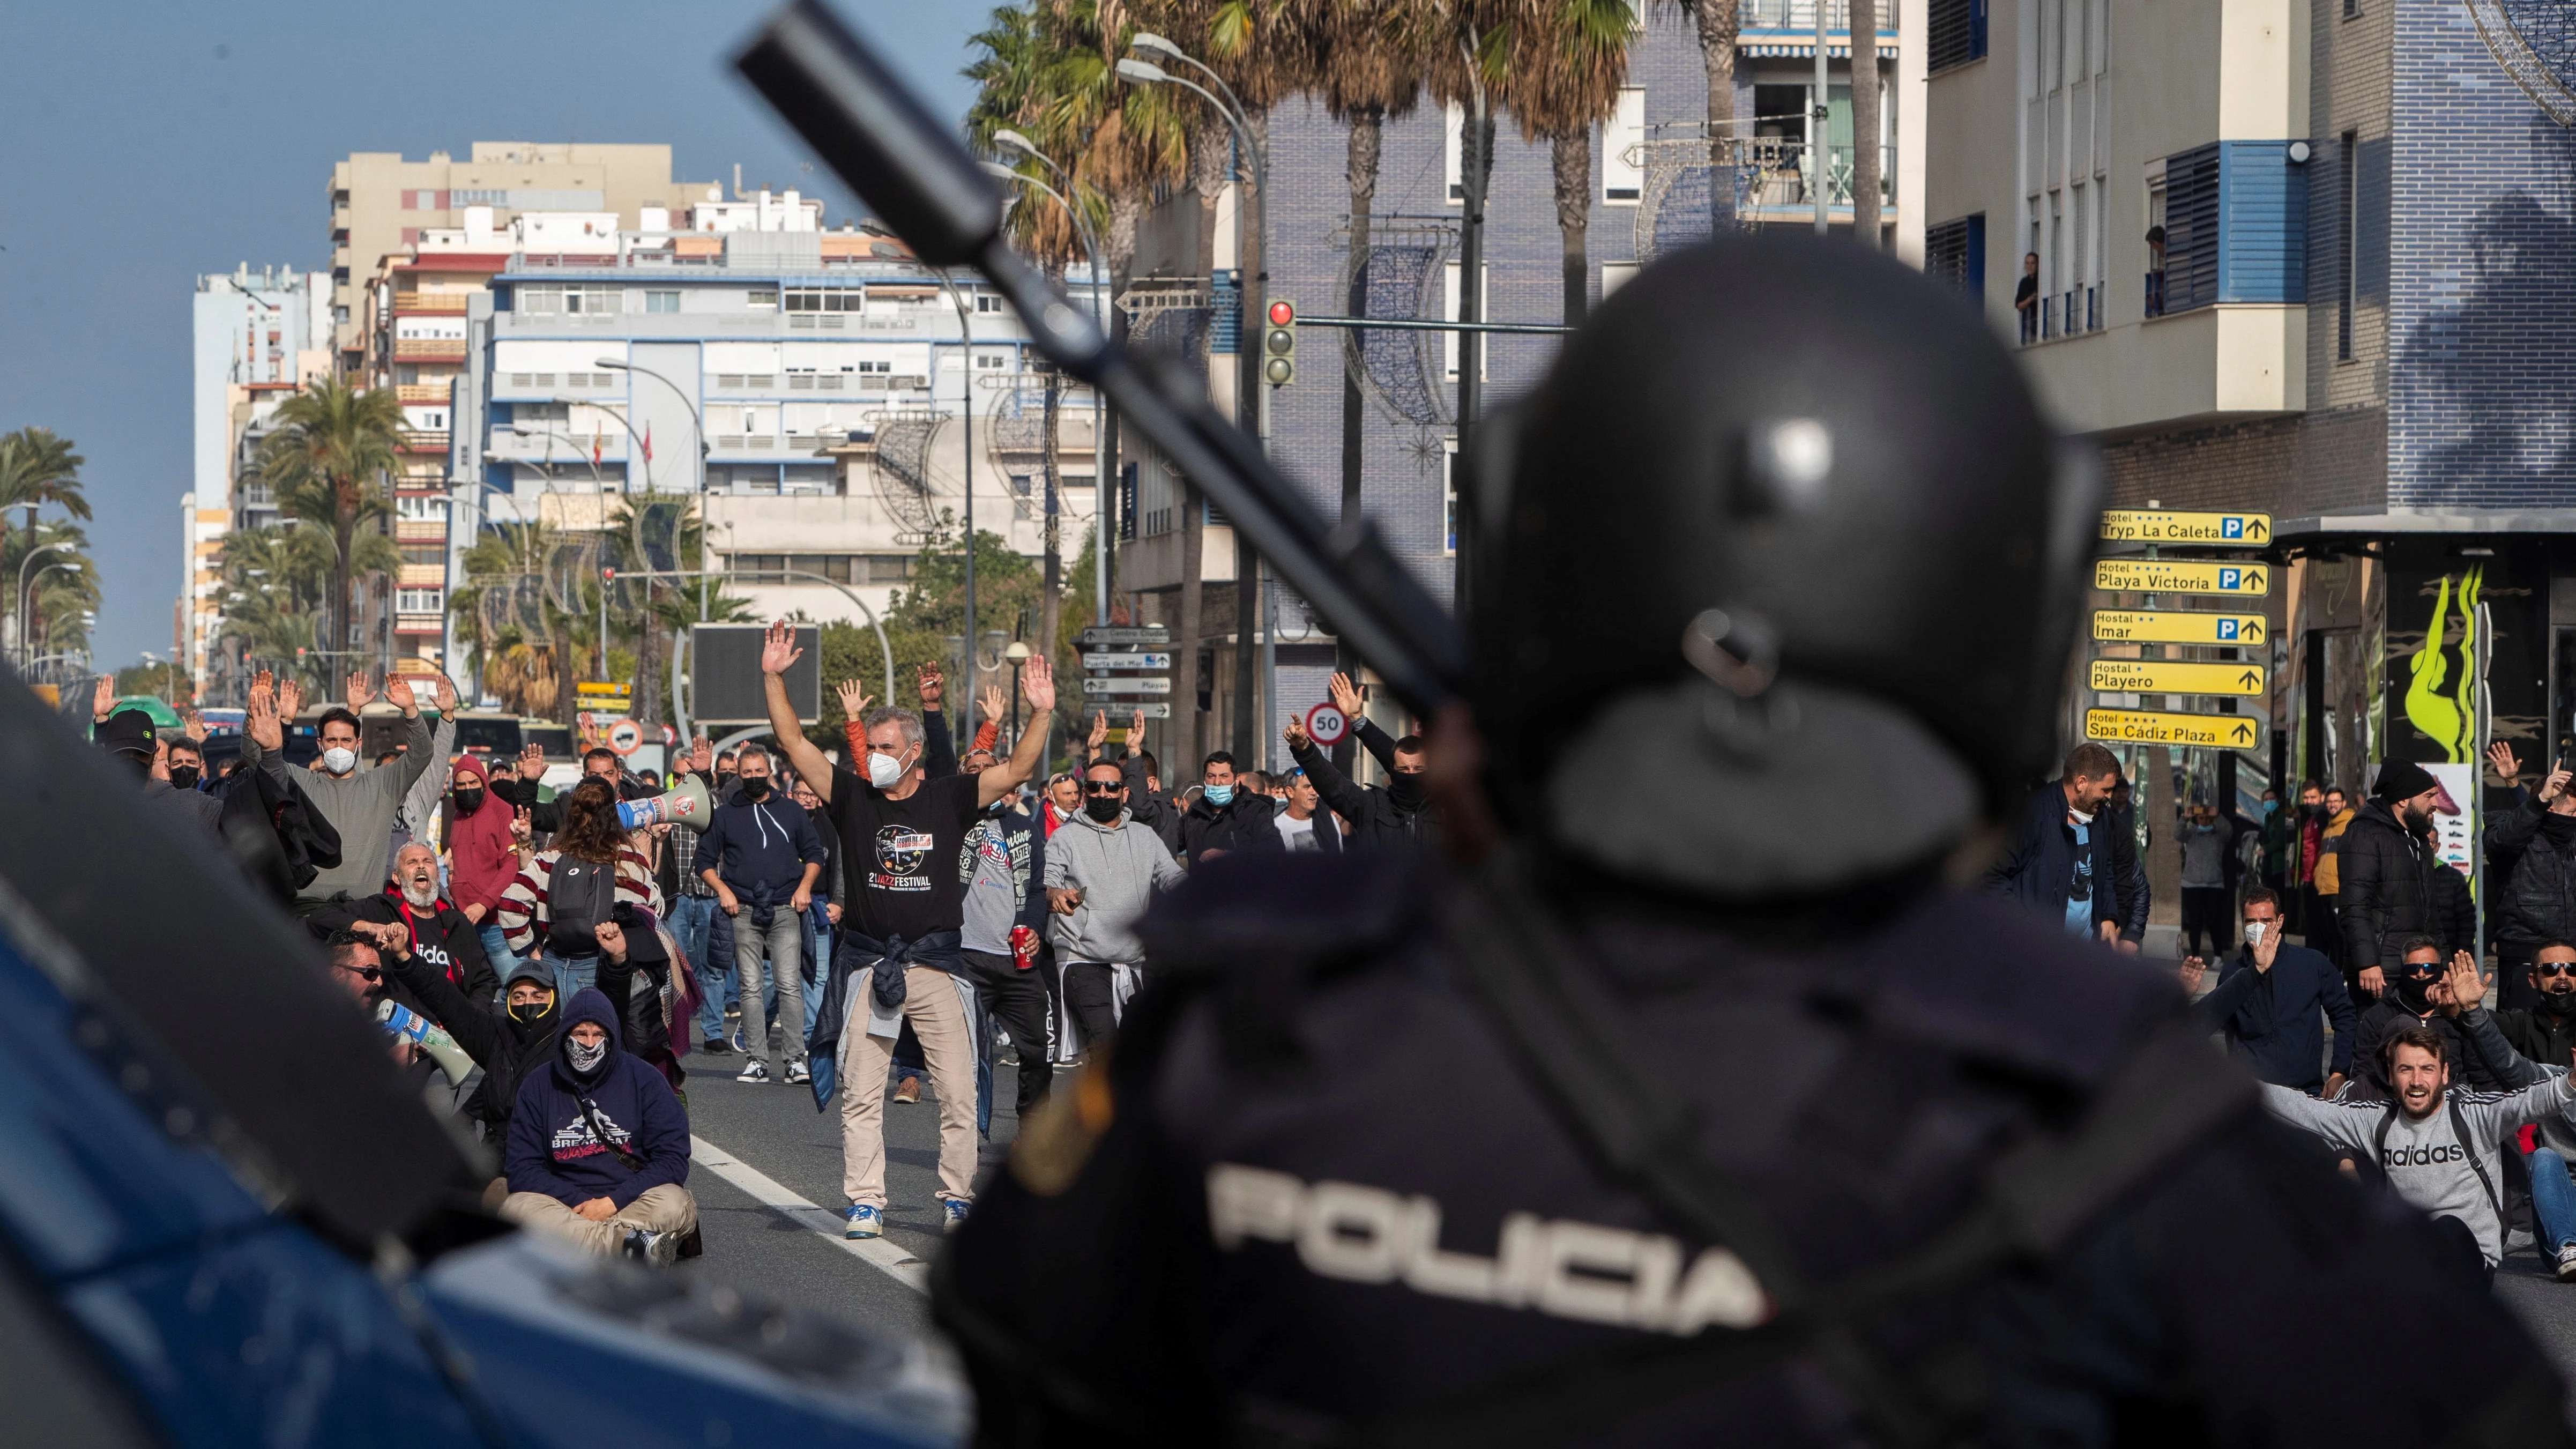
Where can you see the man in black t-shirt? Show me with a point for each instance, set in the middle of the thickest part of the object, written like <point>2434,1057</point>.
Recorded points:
<point>903,908</point>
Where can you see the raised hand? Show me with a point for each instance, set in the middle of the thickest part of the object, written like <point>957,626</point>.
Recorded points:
<point>993,701</point>
<point>929,683</point>
<point>1136,730</point>
<point>359,690</point>
<point>1037,683</point>
<point>446,695</point>
<point>2267,949</point>
<point>532,762</point>
<point>192,724</point>
<point>702,755</point>
<point>263,680</point>
<point>2466,988</point>
<point>259,720</point>
<point>2556,784</point>
<point>1099,731</point>
<point>1294,732</point>
<point>778,649</point>
<point>2191,970</point>
<point>1346,696</point>
<point>160,760</point>
<point>2502,757</point>
<point>102,699</point>
<point>398,694</point>
<point>612,940</point>
<point>520,830</point>
<point>854,698</point>
<point>290,699</point>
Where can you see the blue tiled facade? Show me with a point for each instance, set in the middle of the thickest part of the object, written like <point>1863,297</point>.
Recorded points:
<point>2481,277</point>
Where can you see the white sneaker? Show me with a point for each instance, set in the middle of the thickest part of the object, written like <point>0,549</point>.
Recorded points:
<point>2567,1264</point>
<point>798,1072</point>
<point>754,1070</point>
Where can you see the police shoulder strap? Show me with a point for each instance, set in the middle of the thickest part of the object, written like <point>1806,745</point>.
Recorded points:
<point>2164,1099</point>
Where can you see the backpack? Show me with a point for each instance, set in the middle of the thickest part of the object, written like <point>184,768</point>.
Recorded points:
<point>579,895</point>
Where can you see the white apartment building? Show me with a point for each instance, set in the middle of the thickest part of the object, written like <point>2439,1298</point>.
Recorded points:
<point>804,386</point>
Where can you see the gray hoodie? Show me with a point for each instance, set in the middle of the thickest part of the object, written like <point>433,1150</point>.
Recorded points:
<point>2425,1160</point>
<point>362,805</point>
<point>1117,868</point>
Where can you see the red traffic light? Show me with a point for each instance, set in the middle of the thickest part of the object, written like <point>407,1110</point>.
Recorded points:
<point>608,575</point>
<point>1282,314</point>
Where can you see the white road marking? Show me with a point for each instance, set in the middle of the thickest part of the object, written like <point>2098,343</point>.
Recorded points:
<point>882,1254</point>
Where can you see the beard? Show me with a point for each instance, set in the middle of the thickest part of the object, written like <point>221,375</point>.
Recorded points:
<point>421,898</point>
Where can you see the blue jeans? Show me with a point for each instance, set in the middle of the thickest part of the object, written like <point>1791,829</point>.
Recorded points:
<point>496,949</point>
<point>571,977</point>
<point>689,927</point>
<point>2553,1200</point>
<point>818,956</point>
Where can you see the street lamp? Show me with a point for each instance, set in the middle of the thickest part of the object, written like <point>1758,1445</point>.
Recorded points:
<point>21,596</point>
<point>597,479</point>
<point>1251,411</point>
<point>1099,420</point>
<point>698,421</point>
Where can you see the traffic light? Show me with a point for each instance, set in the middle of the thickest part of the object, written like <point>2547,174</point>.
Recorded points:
<point>1279,344</point>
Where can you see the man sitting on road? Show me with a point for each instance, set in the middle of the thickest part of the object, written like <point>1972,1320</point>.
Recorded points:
<point>438,931</point>
<point>1102,870</point>
<point>902,923</point>
<point>762,856</point>
<point>598,1146</point>
<point>2437,1143</point>
<point>2268,999</point>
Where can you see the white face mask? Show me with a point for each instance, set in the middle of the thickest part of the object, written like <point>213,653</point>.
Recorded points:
<point>339,761</point>
<point>2081,817</point>
<point>883,770</point>
<point>2253,933</point>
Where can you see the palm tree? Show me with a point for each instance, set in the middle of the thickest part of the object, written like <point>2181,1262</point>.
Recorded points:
<point>37,467</point>
<point>1716,21</point>
<point>1564,62</point>
<point>332,446</point>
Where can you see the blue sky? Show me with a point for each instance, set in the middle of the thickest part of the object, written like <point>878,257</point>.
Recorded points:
<point>142,144</point>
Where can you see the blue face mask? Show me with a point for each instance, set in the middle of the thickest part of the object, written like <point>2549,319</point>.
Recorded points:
<point>1220,795</point>
<point>2271,805</point>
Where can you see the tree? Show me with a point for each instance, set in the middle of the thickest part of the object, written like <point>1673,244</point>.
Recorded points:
<point>326,462</point>
<point>1867,159</point>
<point>38,467</point>
<point>1716,21</point>
<point>1564,62</point>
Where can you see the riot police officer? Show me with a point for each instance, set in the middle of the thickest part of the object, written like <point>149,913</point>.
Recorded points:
<point>1694,1101</point>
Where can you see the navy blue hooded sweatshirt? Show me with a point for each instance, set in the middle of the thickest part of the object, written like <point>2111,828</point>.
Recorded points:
<point>749,845</point>
<point>551,1147</point>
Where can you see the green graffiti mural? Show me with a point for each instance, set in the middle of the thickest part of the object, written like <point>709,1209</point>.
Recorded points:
<point>2448,717</point>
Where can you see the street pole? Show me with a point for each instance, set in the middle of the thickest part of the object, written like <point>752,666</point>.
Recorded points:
<point>1818,118</point>
<point>1475,166</point>
<point>966,421</point>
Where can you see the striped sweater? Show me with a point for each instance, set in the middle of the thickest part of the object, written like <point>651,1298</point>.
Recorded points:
<point>523,915</point>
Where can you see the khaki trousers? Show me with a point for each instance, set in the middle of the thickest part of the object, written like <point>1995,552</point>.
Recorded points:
<point>663,1209</point>
<point>939,1020</point>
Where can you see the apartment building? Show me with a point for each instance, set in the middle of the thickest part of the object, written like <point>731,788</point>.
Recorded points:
<point>2309,259</point>
<point>1653,189</point>
<point>256,335</point>
<point>381,204</point>
<point>801,386</point>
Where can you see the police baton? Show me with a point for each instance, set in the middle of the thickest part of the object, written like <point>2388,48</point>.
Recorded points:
<point>837,94</point>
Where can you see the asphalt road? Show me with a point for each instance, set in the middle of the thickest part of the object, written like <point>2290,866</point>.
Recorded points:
<point>767,1175</point>
<point>780,1236</point>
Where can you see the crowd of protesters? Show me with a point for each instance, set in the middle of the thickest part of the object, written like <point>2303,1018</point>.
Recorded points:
<point>550,965</point>
<point>898,915</point>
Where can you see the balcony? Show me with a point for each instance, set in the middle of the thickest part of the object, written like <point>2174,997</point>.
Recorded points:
<point>1775,28</point>
<point>430,304</point>
<point>420,623</point>
<point>414,441</point>
<point>421,392</point>
<point>422,576</point>
<point>416,530</point>
<point>429,349</point>
<point>1783,183</point>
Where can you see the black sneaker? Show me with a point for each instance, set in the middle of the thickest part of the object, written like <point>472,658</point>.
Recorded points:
<point>644,1245</point>
<point>714,1048</point>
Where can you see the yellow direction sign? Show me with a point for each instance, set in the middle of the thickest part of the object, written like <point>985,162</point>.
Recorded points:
<point>2226,530</point>
<point>2159,676</point>
<point>2158,626</point>
<point>2162,576</point>
<point>2152,727</point>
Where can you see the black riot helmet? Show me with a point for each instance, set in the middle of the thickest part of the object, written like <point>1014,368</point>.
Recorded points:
<point>1777,571</point>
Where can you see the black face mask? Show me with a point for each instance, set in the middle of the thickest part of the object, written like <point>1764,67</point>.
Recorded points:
<point>468,801</point>
<point>183,777</point>
<point>1406,789</point>
<point>755,787</point>
<point>1103,808</point>
<point>2561,829</point>
<point>529,1013</point>
<point>2413,990</point>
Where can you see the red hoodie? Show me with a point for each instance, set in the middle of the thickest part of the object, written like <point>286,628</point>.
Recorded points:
<point>482,859</point>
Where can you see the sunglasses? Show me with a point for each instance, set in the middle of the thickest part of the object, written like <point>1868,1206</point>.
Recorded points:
<point>2553,968</point>
<point>1097,789</point>
<point>364,973</point>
